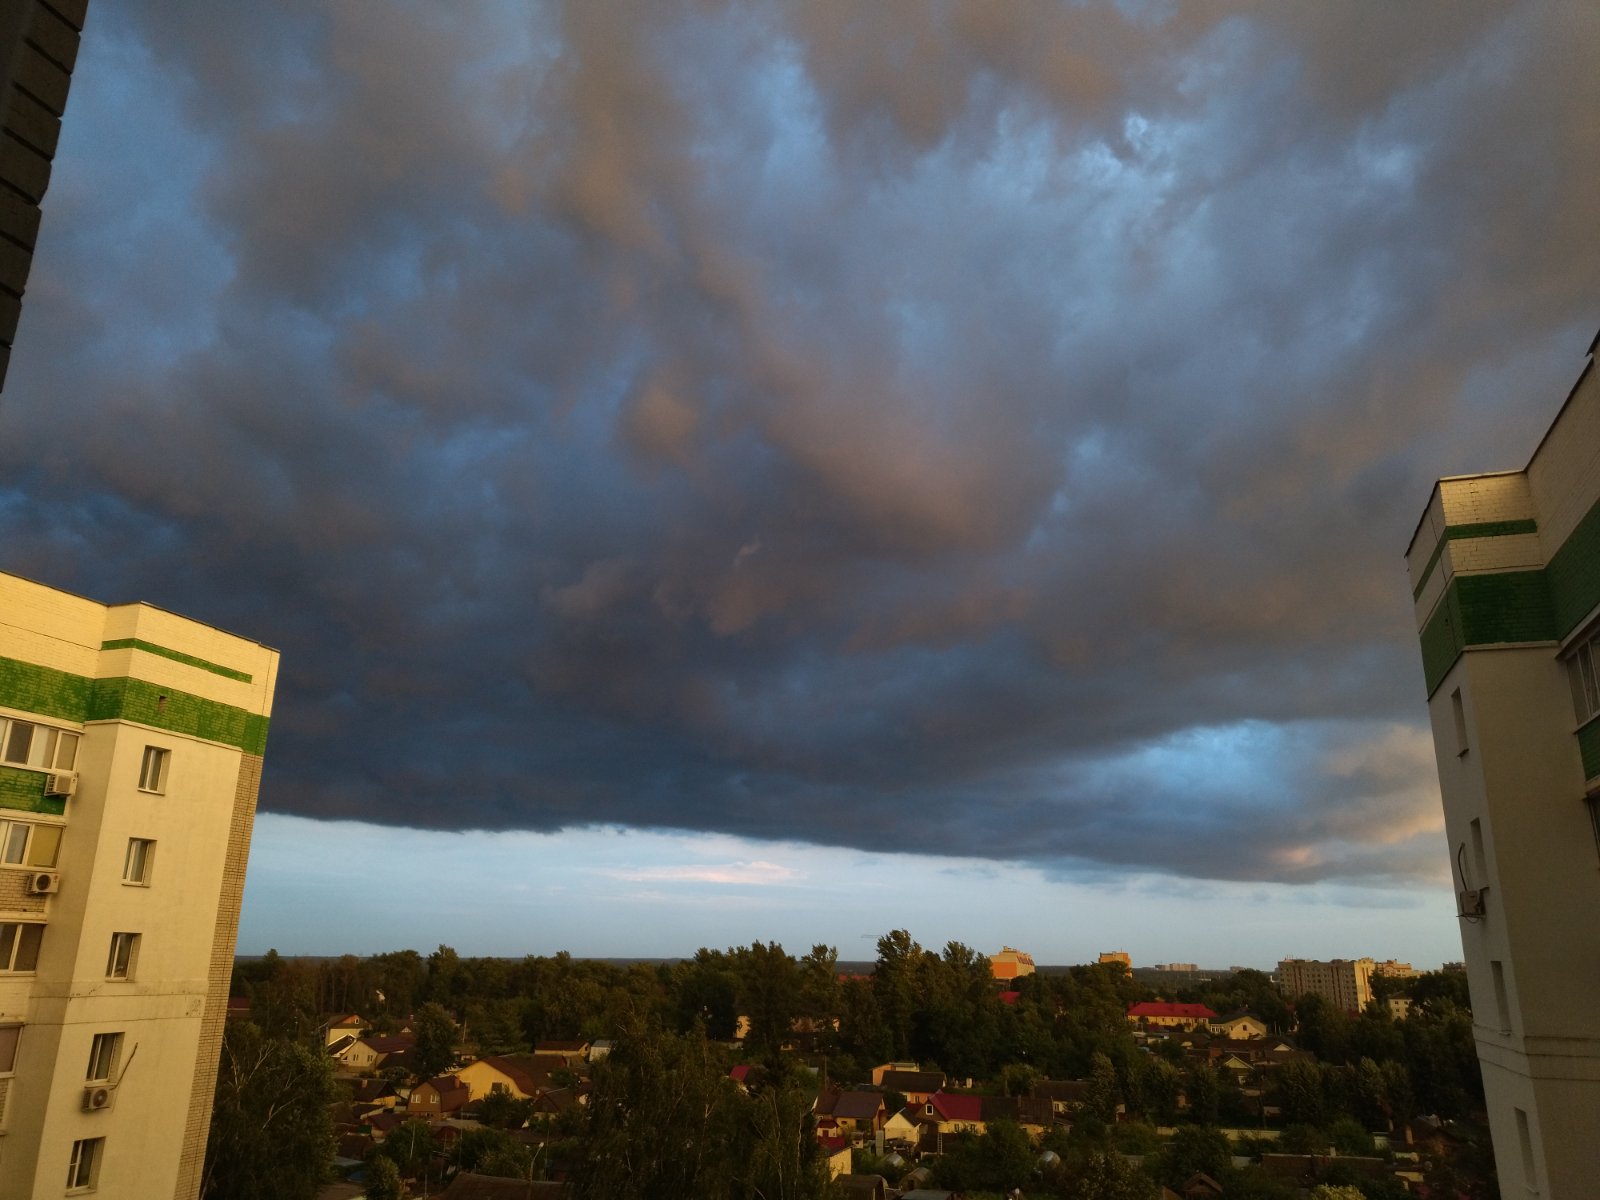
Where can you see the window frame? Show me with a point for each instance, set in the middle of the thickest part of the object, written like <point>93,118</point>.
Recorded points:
<point>30,844</point>
<point>128,961</point>
<point>12,946</point>
<point>83,1170</point>
<point>106,1052</point>
<point>1582,662</point>
<point>44,753</point>
<point>146,862</point>
<point>11,1045</point>
<point>154,767</point>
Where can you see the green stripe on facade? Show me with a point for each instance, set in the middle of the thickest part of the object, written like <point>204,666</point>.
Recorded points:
<point>1478,530</point>
<point>1589,747</point>
<point>1574,573</point>
<point>52,693</point>
<point>1485,610</point>
<point>176,656</point>
<point>23,791</point>
<point>43,690</point>
<point>167,708</point>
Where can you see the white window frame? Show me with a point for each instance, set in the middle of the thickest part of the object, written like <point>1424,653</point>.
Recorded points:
<point>104,1054</point>
<point>141,855</point>
<point>123,958</point>
<point>1583,676</point>
<point>11,943</point>
<point>83,1172</point>
<point>30,845</point>
<point>56,750</point>
<point>153,768</point>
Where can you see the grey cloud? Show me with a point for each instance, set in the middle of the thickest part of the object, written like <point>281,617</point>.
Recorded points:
<point>866,424</point>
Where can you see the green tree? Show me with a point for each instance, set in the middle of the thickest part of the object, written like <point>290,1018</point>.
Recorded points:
<point>502,1110</point>
<point>1195,1148</point>
<point>271,1125</point>
<point>1102,1100</point>
<point>435,1051</point>
<point>410,1147</point>
<point>383,1180</point>
<point>1106,1175</point>
<point>1326,1191</point>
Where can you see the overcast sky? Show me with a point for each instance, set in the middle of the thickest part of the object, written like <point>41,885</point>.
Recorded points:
<point>963,446</point>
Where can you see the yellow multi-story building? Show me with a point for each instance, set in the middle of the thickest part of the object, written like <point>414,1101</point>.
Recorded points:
<point>130,757</point>
<point>1010,963</point>
<point>1505,575</point>
<point>1343,982</point>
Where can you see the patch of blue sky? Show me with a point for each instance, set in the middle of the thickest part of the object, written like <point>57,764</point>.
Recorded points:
<point>332,888</point>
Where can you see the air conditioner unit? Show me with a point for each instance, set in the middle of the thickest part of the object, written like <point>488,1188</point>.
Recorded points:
<point>98,1096</point>
<point>44,883</point>
<point>60,783</point>
<point>1470,902</point>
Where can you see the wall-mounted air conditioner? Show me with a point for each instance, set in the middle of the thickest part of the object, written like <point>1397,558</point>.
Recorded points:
<point>60,783</point>
<point>44,883</point>
<point>98,1096</point>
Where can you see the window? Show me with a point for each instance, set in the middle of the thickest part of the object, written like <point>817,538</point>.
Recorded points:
<point>85,1168</point>
<point>26,744</point>
<point>103,1055</point>
<point>10,1035</point>
<point>124,956</point>
<point>1458,710</point>
<point>1583,673</point>
<point>1502,1000</point>
<point>19,947</point>
<point>23,844</point>
<point>141,857</point>
<point>153,770</point>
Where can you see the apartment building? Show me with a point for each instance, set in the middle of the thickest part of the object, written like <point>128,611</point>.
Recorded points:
<point>130,756</point>
<point>1505,575</point>
<point>1344,982</point>
<point>1010,963</point>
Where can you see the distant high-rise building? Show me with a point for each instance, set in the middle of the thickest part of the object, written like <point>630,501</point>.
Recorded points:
<point>1390,969</point>
<point>1505,574</point>
<point>1187,968</point>
<point>1116,958</point>
<point>1346,983</point>
<point>1010,963</point>
<point>130,756</point>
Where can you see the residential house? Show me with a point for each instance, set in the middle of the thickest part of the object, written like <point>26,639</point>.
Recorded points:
<point>1034,1115</point>
<point>915,1086</point>
<point>1066,1096</point>
<point>952,1113</point>
<point>372,1052</point>
<point>901,1129</point>
<point>1167,1014</point>
<point>348,1025</point>
<point>442,1096</point>
<point>837,1156</point>
<point>521,1075</point>
<point>859,1115</point>
<point>1239,1025</point>
<point>563,1053</point>
<point>883,1069</point>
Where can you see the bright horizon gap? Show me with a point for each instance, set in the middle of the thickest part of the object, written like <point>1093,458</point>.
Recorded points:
<point>651,894</point>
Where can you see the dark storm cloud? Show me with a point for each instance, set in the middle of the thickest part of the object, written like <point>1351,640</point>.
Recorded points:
<point>979,429</point>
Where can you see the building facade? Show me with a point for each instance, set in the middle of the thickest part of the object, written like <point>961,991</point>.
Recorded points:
<point>1344,982</point>
<point>1505,575</point>
<point>1010,963</point>
<point>130,757</point>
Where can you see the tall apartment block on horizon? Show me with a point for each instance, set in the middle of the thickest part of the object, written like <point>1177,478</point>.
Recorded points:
<point>130,759</point>
<point>1505,575</point>
<point>1343,982</point>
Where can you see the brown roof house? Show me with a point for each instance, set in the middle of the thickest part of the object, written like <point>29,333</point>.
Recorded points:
<point>442,1096</point>
<point>520,1074</point>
